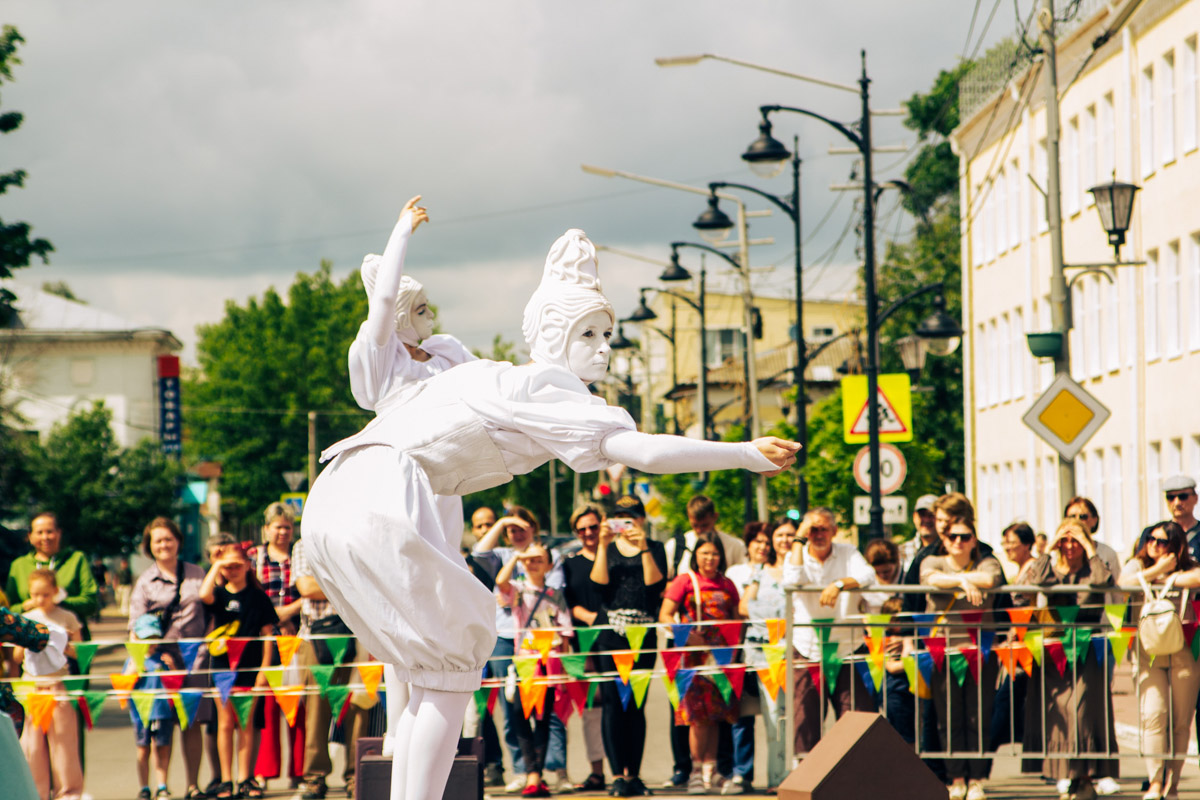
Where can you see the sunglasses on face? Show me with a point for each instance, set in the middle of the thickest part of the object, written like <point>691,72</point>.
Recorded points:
<point>1178,496</point>
<point>1161,541</point>
<point>1083,515</point>
<point>585,528</point>
<point>960,537</point>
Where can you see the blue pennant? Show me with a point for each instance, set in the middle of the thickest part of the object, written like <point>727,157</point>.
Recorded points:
<point>1102,648</point>
<point>626,691</point>
<point>680,634</point>
<point>723,655</point>
<point>191,701</point>
<point>925,664</point>
<point>923,621</point>
<point>188,651</point>
<point>864,672</point>
<point>683,680</point>
<point>224,682</point>
<point>986,638</point>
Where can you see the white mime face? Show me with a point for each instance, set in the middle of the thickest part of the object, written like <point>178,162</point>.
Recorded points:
<point>421,317</point>
<point>587,348</point>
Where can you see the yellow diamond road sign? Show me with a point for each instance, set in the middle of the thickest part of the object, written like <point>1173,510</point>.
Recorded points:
<point>1066,416</point>
<point>895,409</point>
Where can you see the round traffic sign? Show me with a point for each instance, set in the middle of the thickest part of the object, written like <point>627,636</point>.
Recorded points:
<point>893,469</point>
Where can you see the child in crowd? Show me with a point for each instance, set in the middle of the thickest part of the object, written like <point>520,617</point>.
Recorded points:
<point>239,607</point>
<point>535,606</point>
<point>54,753</point>
<point>157,731</point>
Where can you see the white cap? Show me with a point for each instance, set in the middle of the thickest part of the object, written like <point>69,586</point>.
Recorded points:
<point>570,290</point>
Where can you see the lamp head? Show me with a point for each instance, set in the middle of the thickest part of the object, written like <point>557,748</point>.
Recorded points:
<point>941,333</point>
<point>642,313</point>
<point>713,224</point>
<point>766,154</point>
<point>618,340</point>
<point>675,272</point>
<point>1114,204</point>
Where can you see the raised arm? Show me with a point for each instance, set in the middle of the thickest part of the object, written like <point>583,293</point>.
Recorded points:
<point>381,308</point>
<point>666,454</point>
<point>599,574</point>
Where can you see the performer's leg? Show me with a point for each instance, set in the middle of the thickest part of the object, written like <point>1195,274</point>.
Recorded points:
<point>397,701</point>
<point>428,737</point>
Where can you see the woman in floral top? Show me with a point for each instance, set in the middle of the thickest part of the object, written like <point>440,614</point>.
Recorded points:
<point>15,629</point>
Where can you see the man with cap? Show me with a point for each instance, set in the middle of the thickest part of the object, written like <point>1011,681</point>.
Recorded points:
<point>1180,494</point>
<point>923,521</point>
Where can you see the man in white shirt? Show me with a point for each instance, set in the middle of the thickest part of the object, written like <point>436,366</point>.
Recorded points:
<point>816,560</point>
<point>702,515</point>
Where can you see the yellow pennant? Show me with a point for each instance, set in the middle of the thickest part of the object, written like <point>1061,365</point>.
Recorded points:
<point>41,710</point>
<point>287,648</point>
<point>371,674</point>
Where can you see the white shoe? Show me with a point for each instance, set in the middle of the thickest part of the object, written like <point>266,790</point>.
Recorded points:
<point>735,785</point>
<point>517,785</point>
<point>958,791</point>
<point>975,791</point>
<point>562,782</point>
<point>695,784</point>
<point>1063,786</point>
<point>1107,786</point>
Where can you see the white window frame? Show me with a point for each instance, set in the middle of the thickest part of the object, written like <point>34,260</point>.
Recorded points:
<point>1015,232</point>
<point>1150,304</point>
<point>1146,120</point>
<point>982,386</point>
<point>1114,504</point>
<point>1193,290</point>
<point>1020,354</point>
<point>1000,204</point>
<point>1020,511</point>
<point>1173,457</point>
<point>1041,171</point>
<point>1172,300</point>
<point>1091,327</point>
<point>1112,326</point>
<point>1107,148</point>
<point>993,365</point>
<point>1154,476</point>
<point>1187,96</point>
<point>1071,188</point>
<point>1167,108</point>
<point>1089,156</point>
<point>1075,338</point>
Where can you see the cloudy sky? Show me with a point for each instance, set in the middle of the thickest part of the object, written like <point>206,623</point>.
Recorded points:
<point>184,154</point>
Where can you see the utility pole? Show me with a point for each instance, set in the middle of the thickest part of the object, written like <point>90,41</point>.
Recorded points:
<point>312,449</point>
<point>1060,299</point>
<point>875,531</point>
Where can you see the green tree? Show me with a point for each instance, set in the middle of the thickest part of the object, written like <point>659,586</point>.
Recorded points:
<point>263,367</point>
<point>17,248</point>
<point>103,495</point>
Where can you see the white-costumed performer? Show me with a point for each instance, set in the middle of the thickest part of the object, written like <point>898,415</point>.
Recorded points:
<point>385,552</point>
<point>395,347</point>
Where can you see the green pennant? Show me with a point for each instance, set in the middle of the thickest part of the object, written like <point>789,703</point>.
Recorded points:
<point>1115,612</point>
<point>910,670</point>
<point>1067,614</point>
<point>673,692</point>
<point>640,681</point>
<point>75,684</point>
<point>95,702</point>
<point>144,703</point>
<point>83,654</point>
<point>831,662</point>
<point>1077,642</point>
<point>337,647</point>
<point>635,634</point>
<point>592,687</point>
<point>137,651</point>
<point>958,666</point>
<point>723,686</point>
<point>1195,647</point>
<point>337,698</point>
<point>525,666</point>
<point>243,704</point>
<point>575,665</point>
<point>824,628</point>
<point>1035,641</point>
<point>1120,644</point>
<point>321,674</point>
<point>481,698</point>
<point>587,638</point>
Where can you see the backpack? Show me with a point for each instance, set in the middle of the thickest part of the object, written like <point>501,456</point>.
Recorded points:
<point>1160,630</point>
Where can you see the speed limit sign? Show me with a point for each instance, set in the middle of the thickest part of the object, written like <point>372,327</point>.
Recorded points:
<point>893,469</point>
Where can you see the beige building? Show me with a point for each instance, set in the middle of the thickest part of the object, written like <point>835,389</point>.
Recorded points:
<point>1131,111</point>
<point>673,368</point>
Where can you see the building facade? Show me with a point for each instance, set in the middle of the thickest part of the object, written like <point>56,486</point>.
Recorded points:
<point>1129,110</point>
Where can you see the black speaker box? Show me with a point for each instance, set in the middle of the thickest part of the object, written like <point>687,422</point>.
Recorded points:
<point>373,772</point>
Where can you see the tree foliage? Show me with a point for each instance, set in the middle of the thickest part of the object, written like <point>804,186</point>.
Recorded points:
<point>103,495</point>
<point>263,367</point>
<point>17,248</point>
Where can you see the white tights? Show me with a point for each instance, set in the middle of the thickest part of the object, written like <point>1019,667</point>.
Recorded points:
<point>426,740</point>
<point>397,701</point>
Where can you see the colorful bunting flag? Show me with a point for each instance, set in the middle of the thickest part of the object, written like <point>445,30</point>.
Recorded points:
<point>91,704</point>
<point>1020,618</point>
<point>83,655</point>
<point>1004,653</point>
<point>137,652</point>
<point>541,640</point>
<point>533,697</point>
<point>187,703</point>
<point>723,686</point>
<point>188,651</point>
<point>337,647</point>
<point>1034,641</point>
<point>625,692</point>
<point>234,648</point>
<point>322,673</point>
<point>831,661</point>
<point>986,639</point>
<point>1054,649</point>
<point>288,645</point>
<point>635,634</point>
<point>587,637</point>
<point>577,692</point>
<point>526,666</point>
<point>243,704</point>
<point>74,684</point>
<point>1023,656</point>
<point>769,684</point>
<point>1115,614</point>
<point>1067,614</point>
<point>731,632</point>
<point>972,656</point>
<point>1101,649</point>
<point>372,674</point>
<point>122,684</point>
<point>957,664</point>
<point>775,630</point>
<point>876,670</point>
<point>640,680</point>
<point>824,626</point>
<point>680,634</point>
<point>274,676</point>
<point>1120,640</point>
<point>574,664</point>
<point>737,678</point>
<point>171,682</point>
<point>683,680</point>
<point>224,682</point>
<point>672,691</point>
<point>289,699</point>
<point>774,653</point>
<point>937,649</point>
<point>864,675</point>
<point>723,655</point>
<point>670,660</point>
<point>623,660</point>
<point>41,710</point>
<point>143,704</point>
<point>339,697</point>
<point>923,622</point>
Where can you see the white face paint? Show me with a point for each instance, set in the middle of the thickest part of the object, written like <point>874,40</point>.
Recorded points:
<point>421,317</point>
<point>587,349</point>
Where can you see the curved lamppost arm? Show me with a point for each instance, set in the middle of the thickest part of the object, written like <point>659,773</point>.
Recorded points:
<point>892,308</point>
<point>678,296</point>
<point>838,126</point>
<point>783,205</point>
<point>708,249</point>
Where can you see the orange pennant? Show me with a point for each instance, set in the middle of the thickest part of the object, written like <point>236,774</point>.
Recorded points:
<point>289,700</point>
<point>779,673</point>
<point>1004,652</point>
<point>533,696</point>
<point>542,641</point>
<point>287,648</point>
<point>41,709</point>
<point>766,675</point>
<point>1024,657</point>
<point>623,659</point>
<point>123,684</point>
<point>775,630</point>
<point>371,674</point>
<point>1020,618</point>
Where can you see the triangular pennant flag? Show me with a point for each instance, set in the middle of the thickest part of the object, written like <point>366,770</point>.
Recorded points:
<point>337,647</point>
<point>143,704</point>
<point>577,694</point>
<point>1023,656</point>
<point>672,691</point>
<point>274,676</point>
<point>671,662</point>
<point>533,696</point>
<point>541,640</point>
<point>937,649</point>
<point>121,682</point>
<point>526,666</point>
<point>824,626</point>
<point>876,670</point>
<point>372,674</point>
<point>1075,643</point>
<point>957,664</point>
<point>680,634</point>
<point>287,648</point>
<point>814,675</point>
<point>321,674</point>
<point>923,622</point>
<point>624,691</point>
<point>83,655</point>
<point>1020,618</point>
<point>1067,614</point>
<point>831,661</point>
<point>74,684</point>
<point>924,666</point>
<point>1115,614</point>
<point>587,637</point>
<point>623,661</point>
<point>723,686</point>
<point>1120,644</point>
<point>234,648</point>
<point>593,687</point>
<point>94,701</point>
<point>338,696</point>
<point>563,707</point>
<point>137,651</point>
<point>636,634</point>
<point>1189,632</point>
<point>41,710</point>
<point>779,673</point>
<point>723,655</point>
<point>768,682</point>
<point>574,664</point>
<point>1100,647</point>
<point>224,682</point>
<point>1054,649</point>
<point>640,681</point>
<point>774,653</point>
<point>1195,648</point>
<point>683,680</point>
<point>910,669</point>
<point>972,656</point>
<point>188,651</point>
<point>986,638</point>
<point>481,698</point>
<point>775,630</point>
<point>187,703</point>
<point>1004,653</point>
<point>1034,641</point>
<point>731,632</point>
<point>737,678</point>
<point>971,620</point>
<point>243,704</point>
<point>289,699</point>
<point>864,674</point>
<point>171,682</point>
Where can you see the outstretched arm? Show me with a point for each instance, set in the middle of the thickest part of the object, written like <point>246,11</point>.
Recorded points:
<point>381,308</point>
<point>665,454</point>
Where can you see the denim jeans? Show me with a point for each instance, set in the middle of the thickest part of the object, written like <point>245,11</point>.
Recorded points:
<point>743,748</point>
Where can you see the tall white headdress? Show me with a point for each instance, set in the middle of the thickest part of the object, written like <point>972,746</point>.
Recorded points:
<point>409,289</point>
<point>570,290</point>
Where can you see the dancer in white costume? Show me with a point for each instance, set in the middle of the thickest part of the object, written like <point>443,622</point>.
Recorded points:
<point>386,555</point>
<point>396,346</point>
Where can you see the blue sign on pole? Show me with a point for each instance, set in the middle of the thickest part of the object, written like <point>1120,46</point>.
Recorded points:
<point>170,427</point>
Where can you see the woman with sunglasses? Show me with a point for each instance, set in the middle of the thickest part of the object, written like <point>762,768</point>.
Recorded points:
<point>1167,685</point>
<point>962,710</point>
<point>1073,708</point>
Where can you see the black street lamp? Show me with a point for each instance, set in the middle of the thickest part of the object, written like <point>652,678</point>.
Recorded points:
<point>1114,203</point>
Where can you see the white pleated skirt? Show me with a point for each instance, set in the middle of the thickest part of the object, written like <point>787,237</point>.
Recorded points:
<point>385,551</point>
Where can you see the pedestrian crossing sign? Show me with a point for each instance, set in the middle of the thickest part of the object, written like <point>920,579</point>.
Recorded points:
<point>895,409</point>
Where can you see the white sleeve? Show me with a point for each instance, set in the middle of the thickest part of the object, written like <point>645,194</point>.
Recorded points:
<point>792,572</point>
<point>665,454</point>
<point>381,307</point>
<point>860,570</point>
